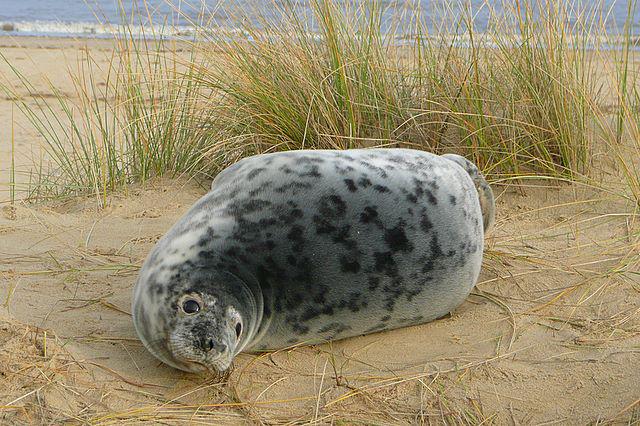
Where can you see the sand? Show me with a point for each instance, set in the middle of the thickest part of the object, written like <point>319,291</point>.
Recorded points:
<point>548,335</point>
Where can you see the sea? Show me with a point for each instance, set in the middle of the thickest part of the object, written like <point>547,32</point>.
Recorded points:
<point>179,18</point>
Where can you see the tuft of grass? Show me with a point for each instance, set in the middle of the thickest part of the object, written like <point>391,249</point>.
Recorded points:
<point>519,98</point>
<point>290,87</point>
<point>526,103</point>
<point>142,121</point>
<point>516,97</point>
<point>624,134</point>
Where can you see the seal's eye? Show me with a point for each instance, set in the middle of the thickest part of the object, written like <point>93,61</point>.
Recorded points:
<point>190,306</point>
<point>238,330</point>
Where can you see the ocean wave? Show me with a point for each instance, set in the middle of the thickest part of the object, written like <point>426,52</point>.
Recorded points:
<point>100,30</point>
<point>92,29</point>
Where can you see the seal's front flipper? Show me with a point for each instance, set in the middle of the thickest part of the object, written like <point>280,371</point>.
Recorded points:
<point>485,194</point>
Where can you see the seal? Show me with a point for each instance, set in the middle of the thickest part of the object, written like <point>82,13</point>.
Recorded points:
<point>303,247</point>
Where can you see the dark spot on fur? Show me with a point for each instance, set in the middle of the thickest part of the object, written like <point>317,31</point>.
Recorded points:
<point>320,296</point>
<point>384,263</point>
<point>296,235</point>
<point>435,253</point>
<point>373,167</point>
<point>354,304</point>
<point>336,327</point>
<point>255,172</point>
<point>260,189</point>
<point>323,226</point>
<point>434,245</point>
<point>453,200</point>
<point>393,291</point>
<point>267,222</point>
<point>396,239</point>
<point>242,208</point>
<point>309,159</point>
<point>364,182</point>
<point>349,265</point>
<point>294,299</point>
<point>285,169</point>
<point>381,188</point>
<point>289,216</point>
<point>433,200</point>
<point>369,214</point>
<point>309,313</point>
<point>293,186</point>
<point>342,236</point>
<point>327,310</point>
<point>343,170</point>
<point>332,207</point>
<point>425,223</point>
<point>351,185</point>
<point>313,171</point>
<point>300,329</point>
<point>374,282</point>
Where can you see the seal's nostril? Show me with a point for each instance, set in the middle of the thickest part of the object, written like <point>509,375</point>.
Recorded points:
<point>209,344</point>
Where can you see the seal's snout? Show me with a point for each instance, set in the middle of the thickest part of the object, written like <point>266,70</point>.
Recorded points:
<point>210,345</point>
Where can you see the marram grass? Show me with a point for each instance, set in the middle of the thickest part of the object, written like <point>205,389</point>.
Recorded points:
<point>519,98</point>
<point>517,106</point>
<point>143,121</point>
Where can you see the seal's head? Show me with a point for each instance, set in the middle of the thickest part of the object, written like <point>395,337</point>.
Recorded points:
<point>485,194</point>
<point>189,316</point>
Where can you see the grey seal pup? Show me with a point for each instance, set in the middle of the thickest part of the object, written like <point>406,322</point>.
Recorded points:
<point>310,246</point>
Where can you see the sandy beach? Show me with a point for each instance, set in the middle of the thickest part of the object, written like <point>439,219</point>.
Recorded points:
<point>548,336</point>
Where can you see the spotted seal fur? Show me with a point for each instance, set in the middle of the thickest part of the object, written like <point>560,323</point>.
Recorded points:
<point>311,246</point>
